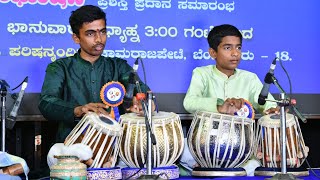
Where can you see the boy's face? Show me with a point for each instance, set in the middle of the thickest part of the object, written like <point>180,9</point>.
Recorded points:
<point>228,54</point>
<point>92,39</point>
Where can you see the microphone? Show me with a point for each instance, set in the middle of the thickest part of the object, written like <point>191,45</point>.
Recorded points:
<point>11,120</point>
<point>127,100</point>
<point>4,84</point>
<point>267,81</point>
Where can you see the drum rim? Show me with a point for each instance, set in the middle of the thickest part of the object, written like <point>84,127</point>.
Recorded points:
<point>115,127</point>
<point>233,117</point>
<point>267,121</point>
<point>133,118</point>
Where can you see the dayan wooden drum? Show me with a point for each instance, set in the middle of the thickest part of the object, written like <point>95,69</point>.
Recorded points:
<point>268,148</point>
<point>102,134</point>
<point>219,140</point>
<point>168,134</point>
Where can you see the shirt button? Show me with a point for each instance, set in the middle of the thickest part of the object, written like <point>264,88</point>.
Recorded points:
<point>94,93</point>
<point>92,81</point>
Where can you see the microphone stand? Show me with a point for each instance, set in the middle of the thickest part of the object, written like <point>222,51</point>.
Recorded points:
<point>149,132</point>
<point>3,92</point>
<point>151,140</point>
<point>4,88</point>
<point>282,103</point>
<point>275,82</point>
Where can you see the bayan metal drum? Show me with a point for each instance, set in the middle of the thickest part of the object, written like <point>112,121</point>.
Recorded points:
<point>102,134</point>
<point>268,148</point>
<point>168,134</point>
<point>220,141</point>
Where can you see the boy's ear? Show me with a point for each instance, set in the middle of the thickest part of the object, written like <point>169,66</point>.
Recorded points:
<point>75,38</point>
<point>212,53</point>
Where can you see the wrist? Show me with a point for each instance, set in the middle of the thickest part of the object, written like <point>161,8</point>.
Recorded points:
<point>219,104</point>
<point>219,108</point>
<point>77,112</point>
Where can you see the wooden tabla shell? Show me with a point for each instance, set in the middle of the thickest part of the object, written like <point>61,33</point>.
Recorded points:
<point>101,133</point>
<point>219,140</point>
<point>268,147</point>
<point>168,134</point>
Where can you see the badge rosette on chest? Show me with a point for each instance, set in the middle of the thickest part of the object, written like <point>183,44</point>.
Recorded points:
<point>112,94</point>
<point>246,110</point>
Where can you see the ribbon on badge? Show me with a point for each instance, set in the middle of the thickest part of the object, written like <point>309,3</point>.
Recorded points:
<point>112,94</point>
<point>246,110</point>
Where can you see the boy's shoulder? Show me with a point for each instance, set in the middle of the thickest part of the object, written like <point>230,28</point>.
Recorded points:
<point>243,72</point>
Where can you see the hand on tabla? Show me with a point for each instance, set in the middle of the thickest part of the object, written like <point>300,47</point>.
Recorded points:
<point>275,110</point>
<point>98,108</point>
<point>137,106</point>
<point>231,105</point>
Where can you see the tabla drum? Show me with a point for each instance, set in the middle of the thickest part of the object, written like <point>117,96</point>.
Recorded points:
<point>220,141</point>
<point>102,134</point>
<point>168,134</point>
<point>268,148</point>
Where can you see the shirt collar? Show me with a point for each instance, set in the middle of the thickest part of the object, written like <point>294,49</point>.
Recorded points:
<point>85,62</point>
<point>217,72</point>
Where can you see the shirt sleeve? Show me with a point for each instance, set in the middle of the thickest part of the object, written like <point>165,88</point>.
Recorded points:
<point>51,104</point>
<point>194,99</point>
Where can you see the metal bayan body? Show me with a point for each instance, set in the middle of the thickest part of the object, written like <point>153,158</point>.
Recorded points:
<point>220,141</point>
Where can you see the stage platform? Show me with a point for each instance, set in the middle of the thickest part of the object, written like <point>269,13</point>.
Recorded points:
<point>311,176</point>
